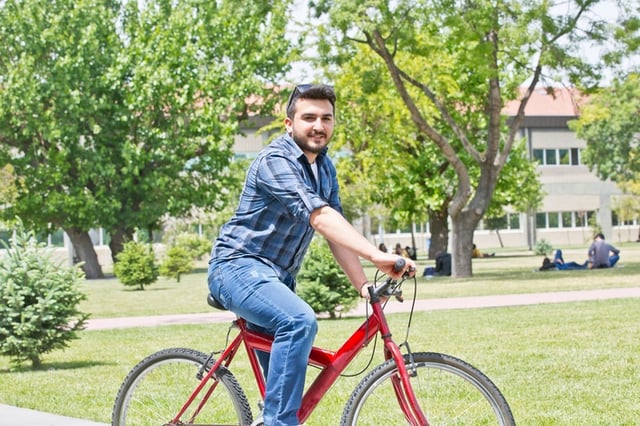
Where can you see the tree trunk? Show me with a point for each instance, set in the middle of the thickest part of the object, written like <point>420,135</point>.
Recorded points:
<point>119,236</point>
<point>462,246</point>
<point>439,227</point>
<point>84,251</point>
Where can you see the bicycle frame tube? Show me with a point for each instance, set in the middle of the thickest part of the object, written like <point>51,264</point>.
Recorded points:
<point>331,363</point>
<point>225,359</point>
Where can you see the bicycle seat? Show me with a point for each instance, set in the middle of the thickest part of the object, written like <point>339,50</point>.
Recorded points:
<point>212,301</point>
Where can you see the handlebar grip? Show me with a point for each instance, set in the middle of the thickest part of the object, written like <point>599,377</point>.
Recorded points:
<point>399,265</point>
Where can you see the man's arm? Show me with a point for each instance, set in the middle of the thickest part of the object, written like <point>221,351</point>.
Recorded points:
<point>347,245</point>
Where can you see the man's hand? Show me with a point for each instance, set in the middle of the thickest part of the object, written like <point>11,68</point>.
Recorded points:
<point>385,262</point>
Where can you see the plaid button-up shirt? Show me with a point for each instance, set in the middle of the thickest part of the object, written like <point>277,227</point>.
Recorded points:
<point>272,220</point>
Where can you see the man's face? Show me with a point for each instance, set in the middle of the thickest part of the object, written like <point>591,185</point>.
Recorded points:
<point>312,125</point>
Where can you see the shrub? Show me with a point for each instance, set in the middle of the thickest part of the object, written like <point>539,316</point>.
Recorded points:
<point>135,265</point>
<point>38,313</point>
<point>177,261</point>
<point>323,285</point>
<point>196,245</point>
<point>542,248</point>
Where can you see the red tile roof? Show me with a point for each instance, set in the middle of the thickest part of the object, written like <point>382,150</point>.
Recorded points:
<point>552,101</point>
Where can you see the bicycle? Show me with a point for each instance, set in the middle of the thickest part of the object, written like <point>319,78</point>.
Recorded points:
<point>181,386</point>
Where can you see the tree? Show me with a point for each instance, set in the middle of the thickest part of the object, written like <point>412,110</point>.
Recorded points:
<point>116,113</point>
<point>323,285</point>
<point>39,310</point>
<point>136,265</point>
<point>177,261</point>
<point>402,171</point>
<point>7,187</point>
<point>454,65</point>
<point>610,124</point>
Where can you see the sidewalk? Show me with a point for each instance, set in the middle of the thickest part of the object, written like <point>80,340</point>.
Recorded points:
<point>13,416</point>
<point>421,305</point>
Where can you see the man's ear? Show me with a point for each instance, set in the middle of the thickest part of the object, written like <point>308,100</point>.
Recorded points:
<point>288,124</point>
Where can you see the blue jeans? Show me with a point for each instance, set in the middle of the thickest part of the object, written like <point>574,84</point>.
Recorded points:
<point>252,290</point>
<point>613,259</point>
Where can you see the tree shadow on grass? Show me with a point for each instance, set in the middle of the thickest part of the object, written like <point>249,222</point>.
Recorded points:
<point>48,366</point>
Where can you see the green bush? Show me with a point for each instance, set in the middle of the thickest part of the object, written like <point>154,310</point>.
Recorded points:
<point>135,265</point>
<point>322,282</point>
<point>196,245</point>
<point>178,261</point>
<point>543,248</point>
<point>38,313</point>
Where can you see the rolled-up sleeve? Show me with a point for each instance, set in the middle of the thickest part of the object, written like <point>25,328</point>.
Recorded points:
<point>284,179</point>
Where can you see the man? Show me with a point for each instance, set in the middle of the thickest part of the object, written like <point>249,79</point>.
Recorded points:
<point>599,253</point>
<point>291,191</point>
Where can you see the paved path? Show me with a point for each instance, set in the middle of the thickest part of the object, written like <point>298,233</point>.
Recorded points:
<point>13,416</point>
<point>421,305</point>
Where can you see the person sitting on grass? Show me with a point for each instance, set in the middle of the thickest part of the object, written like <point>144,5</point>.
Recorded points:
<point>599,253</point>
<point>477,253</point>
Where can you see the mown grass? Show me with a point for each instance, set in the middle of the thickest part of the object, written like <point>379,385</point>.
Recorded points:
<point>557,364</point>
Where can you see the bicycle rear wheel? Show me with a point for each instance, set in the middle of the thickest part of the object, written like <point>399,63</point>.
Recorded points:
<point>449,391</point>
<point>155,390</point>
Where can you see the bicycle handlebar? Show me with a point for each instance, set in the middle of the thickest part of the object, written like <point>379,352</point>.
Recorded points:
<point>376,292</point>
<point>399,265</point>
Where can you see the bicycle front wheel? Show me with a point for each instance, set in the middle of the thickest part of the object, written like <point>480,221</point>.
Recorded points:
<point>155,390</point>
<point>449,391</point>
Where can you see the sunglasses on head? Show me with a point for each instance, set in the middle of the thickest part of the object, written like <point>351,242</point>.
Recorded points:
<point>300,89</point>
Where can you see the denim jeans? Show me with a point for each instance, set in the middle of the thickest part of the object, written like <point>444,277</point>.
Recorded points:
<point>613,259</point>
<point>252,290</point>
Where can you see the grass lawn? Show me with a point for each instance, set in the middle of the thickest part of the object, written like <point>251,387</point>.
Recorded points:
<point>557,364</point>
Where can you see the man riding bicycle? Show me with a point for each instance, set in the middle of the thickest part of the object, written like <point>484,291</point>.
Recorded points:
<point>291,191</point>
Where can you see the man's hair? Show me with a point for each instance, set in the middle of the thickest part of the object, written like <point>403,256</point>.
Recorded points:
<point>309,91</point>
<point>599,235</point>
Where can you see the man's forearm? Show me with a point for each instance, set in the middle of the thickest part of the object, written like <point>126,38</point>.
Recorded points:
<point>335,228</point>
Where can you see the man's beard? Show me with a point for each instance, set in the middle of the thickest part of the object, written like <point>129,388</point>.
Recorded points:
<point>303,142</point>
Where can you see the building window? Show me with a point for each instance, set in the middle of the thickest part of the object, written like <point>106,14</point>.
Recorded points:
<point>557,157</point>
<point>514,221</point>
<point>575,157</point>
<point>550,157</point>
<point>564,219</point>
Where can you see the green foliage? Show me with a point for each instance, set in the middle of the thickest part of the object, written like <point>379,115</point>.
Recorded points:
<point>116,113</point>
<point>609,124</point>
<point>195,245</point>
<point>178,260</point>
<point>446,93</point>
<point>136,265</point>
<point>543,248</point>
<point>322,284</point>
<point>38,312</point>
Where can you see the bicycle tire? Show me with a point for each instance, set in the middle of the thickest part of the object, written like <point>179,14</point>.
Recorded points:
<point>449,391</point>
<point>155,390</point>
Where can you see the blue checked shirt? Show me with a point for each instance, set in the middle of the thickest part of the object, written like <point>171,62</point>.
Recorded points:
<point>279,195</point>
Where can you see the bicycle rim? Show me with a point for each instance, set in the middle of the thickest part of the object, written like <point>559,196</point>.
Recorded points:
<point>449,391</point>
<point>155,390</point>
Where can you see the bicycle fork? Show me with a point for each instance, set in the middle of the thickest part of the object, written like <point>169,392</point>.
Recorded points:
<point>401,382</point>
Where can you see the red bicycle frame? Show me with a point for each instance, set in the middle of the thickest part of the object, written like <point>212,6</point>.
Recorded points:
<point>331,363</point>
